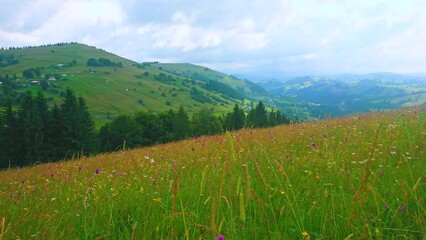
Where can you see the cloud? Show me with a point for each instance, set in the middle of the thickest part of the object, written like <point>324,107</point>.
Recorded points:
<point>277,36</point>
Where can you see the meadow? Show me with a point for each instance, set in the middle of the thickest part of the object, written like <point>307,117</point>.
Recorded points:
<point>359,177</point>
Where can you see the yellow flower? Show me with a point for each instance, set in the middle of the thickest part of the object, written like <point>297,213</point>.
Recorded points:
<point>282,192</point>
<point>305,234</point>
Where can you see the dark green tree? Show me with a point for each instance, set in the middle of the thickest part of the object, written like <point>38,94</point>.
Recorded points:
<point>205,123</point>
<point>181,125</point>
<point>166,120</point>
<point>257,117</point>
<point>122,129</point>
<point>238,117</point>
<point>27,73</point>
<point>56,134</point>
<point>152,128</point>
<point>12,155</point>
<point>86,131</point>
<point>79,130</point>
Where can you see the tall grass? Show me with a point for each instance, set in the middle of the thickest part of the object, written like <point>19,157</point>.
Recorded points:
<point>360,177</point>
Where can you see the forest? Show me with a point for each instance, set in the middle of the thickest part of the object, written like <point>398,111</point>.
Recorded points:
<point>33,132</point>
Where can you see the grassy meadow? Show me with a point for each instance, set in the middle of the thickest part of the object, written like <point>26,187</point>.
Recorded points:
<point>359,177</point>
<point>112,91</point>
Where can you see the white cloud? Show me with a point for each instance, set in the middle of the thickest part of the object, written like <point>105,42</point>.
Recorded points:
<point>236,35</point>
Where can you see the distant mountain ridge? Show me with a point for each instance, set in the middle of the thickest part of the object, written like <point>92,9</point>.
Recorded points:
<point>350,93</point>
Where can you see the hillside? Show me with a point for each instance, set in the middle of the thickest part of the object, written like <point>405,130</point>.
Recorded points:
<point>348,93</point>
<point>359,177</point>
<point>121,85</point>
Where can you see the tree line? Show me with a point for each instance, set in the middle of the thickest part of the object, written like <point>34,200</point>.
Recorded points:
<point>35,132</point>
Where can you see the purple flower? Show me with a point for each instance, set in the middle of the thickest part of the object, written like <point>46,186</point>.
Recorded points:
<point>192,135</point>
<point>97,171</point>
<point>314,145</point>
<point>402,208</point>
<point>79,168</point>
<point>52,174</point>
<point>385,206</point>
<point>220,237</point>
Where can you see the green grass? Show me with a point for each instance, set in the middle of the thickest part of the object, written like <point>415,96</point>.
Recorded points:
<point>360,177</point>
<point>113,91</point>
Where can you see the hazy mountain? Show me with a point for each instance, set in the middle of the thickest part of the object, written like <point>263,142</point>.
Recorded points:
<point>351,93</point>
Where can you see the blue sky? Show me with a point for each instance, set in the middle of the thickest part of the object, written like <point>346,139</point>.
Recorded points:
<point>266,38</point>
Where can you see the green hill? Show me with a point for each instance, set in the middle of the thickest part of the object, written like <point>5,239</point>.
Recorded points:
<point>122,85</point>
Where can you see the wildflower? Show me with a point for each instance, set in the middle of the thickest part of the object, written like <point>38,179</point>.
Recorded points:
<point>385,206</point>
<point>220,237</point>
<point>192,135</point>
<point>97,171</point>
<point>79,168</point>
<point>52,174</point>
<point>402,208</point>
<point>305,234</point>
<point>314,145</point>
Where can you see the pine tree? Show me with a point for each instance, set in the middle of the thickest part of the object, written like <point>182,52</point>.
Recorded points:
<point>257,117</point>
<point>13,154</point>
<point>238,117</point>
<point>180,125</point>
<point>40,122</point>
<point>261,117</point>
<point>86,133</point>
<point>79,131</point>
<point>3,159</point>
<point>55,134</point>
<point>28,128</point>
<point>69,112</point>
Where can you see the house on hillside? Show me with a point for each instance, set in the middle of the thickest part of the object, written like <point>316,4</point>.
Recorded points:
<point>51,78</point>
<point>60,65</point>
<point>34,82</point>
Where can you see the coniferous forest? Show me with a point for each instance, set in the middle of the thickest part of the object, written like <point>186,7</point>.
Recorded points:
<point>33,132</point>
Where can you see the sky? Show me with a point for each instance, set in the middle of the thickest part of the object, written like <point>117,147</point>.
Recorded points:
<point>258,38</point>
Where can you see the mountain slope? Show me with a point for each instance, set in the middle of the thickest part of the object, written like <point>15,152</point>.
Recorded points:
<point>112,90</point>
<point>346,94</point>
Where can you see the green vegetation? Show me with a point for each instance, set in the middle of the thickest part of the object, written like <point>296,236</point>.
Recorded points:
<point>102,62</point>
<point>360,177</point>
<point>113,85</point>
<point>348,94</point>
<point>36,133</point>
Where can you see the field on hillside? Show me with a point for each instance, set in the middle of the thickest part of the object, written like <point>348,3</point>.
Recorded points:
<point>360,177</point>
<point>111,91</point>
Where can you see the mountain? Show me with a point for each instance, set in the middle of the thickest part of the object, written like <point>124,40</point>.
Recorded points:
<point>114,85</point>
<point>349,93</point>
